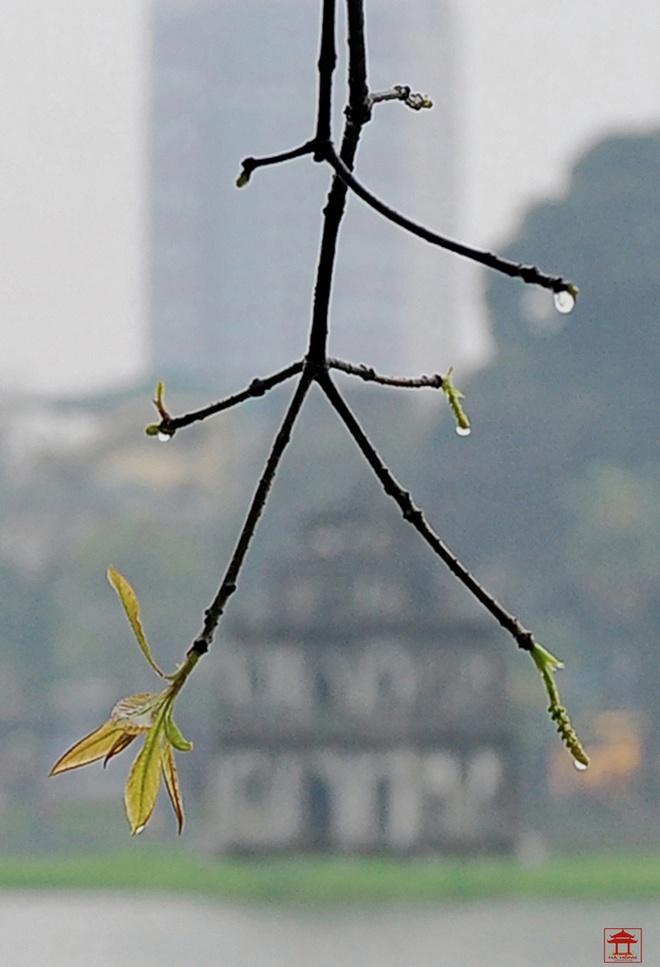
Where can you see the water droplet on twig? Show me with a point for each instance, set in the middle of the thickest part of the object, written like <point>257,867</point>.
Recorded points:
<point>564,301</point>
<point>164,437</point>
<point>463,430</point>
<point>580,766</point>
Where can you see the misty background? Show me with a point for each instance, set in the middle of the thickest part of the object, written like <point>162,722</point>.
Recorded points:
<point>535,86</point>
<point>94,110</point>
<point>544,146</point>
<point>130,256</point>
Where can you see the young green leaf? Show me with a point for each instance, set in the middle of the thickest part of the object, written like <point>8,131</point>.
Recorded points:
<point>547,665</point>
<point>141,790</point>
<point>454,397</point>
<point>158,401</point>
<point>145,712</point>
<point>129,600</point>
<point>174,735</point>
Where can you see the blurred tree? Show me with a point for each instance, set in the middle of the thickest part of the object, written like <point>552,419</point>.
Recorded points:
<point>557,494</point>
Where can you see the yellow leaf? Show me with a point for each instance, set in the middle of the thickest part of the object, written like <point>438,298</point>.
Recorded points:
<point>129,600</point>
<point>141,790</point>
<point>171,777</point>
<point>97,745</point>
<point>121,743</point>
<point>129,718</point>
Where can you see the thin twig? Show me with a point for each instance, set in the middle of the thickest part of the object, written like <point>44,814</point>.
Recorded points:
<point>248,165</point>
<point>369,375</point>
<point>214,612</point>
<point>528,273</point>
<point>356,117</point>
<point>326,66</point>
<point>256,388</point>
<point>358,110</point>
<point>415,516</point>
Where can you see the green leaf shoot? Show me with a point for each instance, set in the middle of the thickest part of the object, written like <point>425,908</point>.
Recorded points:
<point>175,737</point>
<point>131,606</point>
<point>454,397</point>
<point>143,783</point>
<point>547,665</point>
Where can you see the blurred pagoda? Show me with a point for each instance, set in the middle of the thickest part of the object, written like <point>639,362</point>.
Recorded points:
<point>369,712</point>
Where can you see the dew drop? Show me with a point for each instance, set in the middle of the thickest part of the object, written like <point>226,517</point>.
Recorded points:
<point>463,430</point>
<point>164,437</point>
<point>580,766</point>
<point>140,829</point>
<point>564,301</point>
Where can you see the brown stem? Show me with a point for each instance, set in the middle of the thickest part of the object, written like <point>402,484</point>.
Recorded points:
<point>326,67</point>
<point>257,387</point>
<point>215,610</point>
<point>357,114</point>
<point>528,273</point>
<point>369,375</point>
<point>248,165</point>
<point>415,516</point>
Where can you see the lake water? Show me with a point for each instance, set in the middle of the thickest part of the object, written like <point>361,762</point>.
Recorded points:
<point>68,929</point>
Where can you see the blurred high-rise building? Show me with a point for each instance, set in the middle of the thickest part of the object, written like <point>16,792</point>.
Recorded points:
<point>232,272</point>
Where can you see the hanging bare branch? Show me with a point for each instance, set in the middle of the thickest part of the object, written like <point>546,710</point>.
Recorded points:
<point>316,367</point>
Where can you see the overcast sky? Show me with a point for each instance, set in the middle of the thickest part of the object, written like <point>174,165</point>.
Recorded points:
<point>541,81</point>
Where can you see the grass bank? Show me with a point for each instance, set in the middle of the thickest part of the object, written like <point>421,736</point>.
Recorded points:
<point>340,881</point>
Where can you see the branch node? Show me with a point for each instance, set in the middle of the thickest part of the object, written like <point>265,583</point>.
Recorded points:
<point>360,115</point>
<point>525,640</point>
<point>199,647</point>
<point>316,368</point>
<point>257,387</point>
<point>413,515</point>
